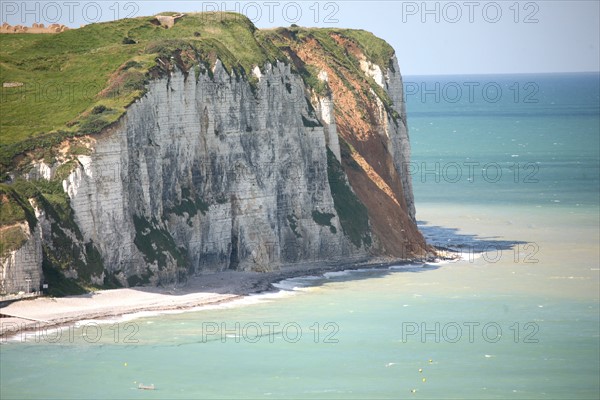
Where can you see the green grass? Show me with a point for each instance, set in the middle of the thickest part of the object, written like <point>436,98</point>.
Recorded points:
<point>310,75</point>
<point>14,208</point>
<point>11,238</point>
<point>11,210</point>
<point>376,49</point>
<point>62,75</point>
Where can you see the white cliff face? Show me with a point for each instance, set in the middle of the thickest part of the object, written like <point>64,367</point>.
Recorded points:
<point>21,269</point>
<point>256,72</point>
<point>373,71</point>
<point>325,111</point>
<point>216,174</point>
<point>40,170</point>
<point>398,132</point>
<point>96,191</point>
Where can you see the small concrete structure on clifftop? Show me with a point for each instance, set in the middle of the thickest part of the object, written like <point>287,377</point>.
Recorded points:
<point>168,20</point>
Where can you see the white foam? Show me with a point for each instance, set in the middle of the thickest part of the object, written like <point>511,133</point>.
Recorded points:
<point>85,322</point>
<point>406,267</point>
<point>336,274</point>
<point>285,285</point>
<point>296,284</point>
<point>310,277</point>
<point>348,272</point>
<point>42,335</point>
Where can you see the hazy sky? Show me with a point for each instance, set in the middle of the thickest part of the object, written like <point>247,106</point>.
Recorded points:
<point>430,37</point>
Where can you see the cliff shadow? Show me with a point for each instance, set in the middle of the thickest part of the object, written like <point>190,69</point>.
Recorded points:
<point>450,239</point>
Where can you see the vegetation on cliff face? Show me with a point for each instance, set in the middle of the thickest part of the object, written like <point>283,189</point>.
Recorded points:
<point>66,252</point>
<point>14,210</point>
<point>155,243</point>
<point>352,213</point>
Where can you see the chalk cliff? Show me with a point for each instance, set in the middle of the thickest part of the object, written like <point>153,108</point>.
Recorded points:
<point>299,160</point>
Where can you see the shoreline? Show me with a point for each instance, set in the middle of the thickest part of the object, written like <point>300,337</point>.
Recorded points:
<point>41,313</point>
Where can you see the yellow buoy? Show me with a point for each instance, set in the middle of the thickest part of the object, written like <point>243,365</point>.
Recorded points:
<point>424,379</point>
<point>124,364</point>
<point>430,361</point>
<point>413,390</point>
<point>420,369</point>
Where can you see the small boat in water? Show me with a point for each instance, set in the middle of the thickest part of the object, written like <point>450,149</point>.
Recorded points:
<point>146,387</point>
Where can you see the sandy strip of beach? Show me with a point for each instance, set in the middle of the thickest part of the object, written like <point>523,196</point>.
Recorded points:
<point>45,312</point>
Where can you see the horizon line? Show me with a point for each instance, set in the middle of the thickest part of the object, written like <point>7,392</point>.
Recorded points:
<point>499,73</point>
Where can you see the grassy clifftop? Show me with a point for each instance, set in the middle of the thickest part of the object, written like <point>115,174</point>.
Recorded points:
<point>80,81</point>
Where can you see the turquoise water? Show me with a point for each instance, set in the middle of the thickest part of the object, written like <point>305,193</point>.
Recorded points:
<point>539,148</point>
<point>517,318</point>
<point>371,359</point>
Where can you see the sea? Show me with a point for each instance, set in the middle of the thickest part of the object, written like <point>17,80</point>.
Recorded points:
<point>505,171</point>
